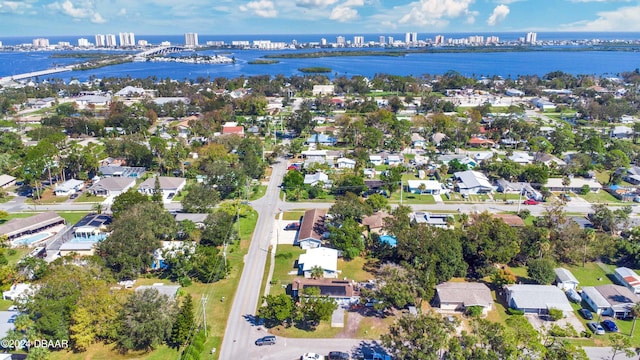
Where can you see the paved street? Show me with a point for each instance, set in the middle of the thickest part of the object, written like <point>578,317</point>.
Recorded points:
<point>605,353</point>
<point>240,334</point>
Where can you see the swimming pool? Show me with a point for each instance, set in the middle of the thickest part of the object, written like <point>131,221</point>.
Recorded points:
<point>31,239</point>
<point>89,239</point>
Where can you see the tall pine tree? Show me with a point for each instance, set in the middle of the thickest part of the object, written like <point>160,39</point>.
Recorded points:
<point>157,192</point>
<point>184,325</point>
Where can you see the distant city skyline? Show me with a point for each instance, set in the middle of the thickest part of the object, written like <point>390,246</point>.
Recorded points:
<point>159,17</point>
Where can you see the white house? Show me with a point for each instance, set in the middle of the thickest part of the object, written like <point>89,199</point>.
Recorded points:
<point>432,187</point>
<point>345,163</point>
<point>168,186</point>
<point>69,187</point>
<point>19,291</point>
<point>394,160</point>
<point>575,184</point>
<point>437,220</point>
<point>610,300</point>
<point>376,160</point>
<point>628,278</point>
<point>472,182</point>
<point>112,186</point>
<point>316,179</point>
<point>565,279</point>
<point>7,181</point>
<point>323,90</point>
<point>621,132</point>
<point>418,141</point>
<point>521,158</point>
<point>170,291</point>
<point>458,296</point>
<point>514,92</point>
<point>129,91</point>
<point>537,299</point>
<point>322,257</point>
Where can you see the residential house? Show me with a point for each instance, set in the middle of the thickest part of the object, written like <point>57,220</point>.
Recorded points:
<point>169,186</point>
<point>130,91</point>
<point>537,299</point>
<point>374,186</point>
<point>19,227</point>
<point>160,101</point>
<point>514,92</point>
<point>112,186</point>
<point>321,139</point>
<point>628,278</point>
<point>459,296</point>
<point>393,160</point>
<point>610,300</point>
<point>322,257</point>
<point>171,248</point>
<point>19,291</point>
<point>461,158</point>
<point>418,141</point>
<point>480,142</point>
<point>548,160</point>
<point>527,191</point>
<point>374,223</point>
<point>472,183</point>
<point>316,156</point>
<point>376,160</point>
<point>92,100</point>
<point>543,104</point>
<point>323,90</point>
<point>432,187</point>
<point>631,175</point>
<point>170,291</point>
<point>232,128</point>
<point>438,220</point>
<point>576,184</point>
<point>437,138</point>
<point>114,170</point>
<point>344,292</point>
<point>197,219</point>
<point>311,232</point>
<point>345,163</point>
<point>482,156</point>
<point>68,187</point>
<point>621,132</point>
<point>510,219</point>
<point>41,103</point>
<point>565,279</point>
<point>521,158</point>
<point>317,179</point>
<point>369,173</point>
<point>7,181</point>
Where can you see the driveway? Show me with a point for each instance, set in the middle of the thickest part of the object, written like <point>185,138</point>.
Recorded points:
<point>541,324</point>
<point>280,235</point>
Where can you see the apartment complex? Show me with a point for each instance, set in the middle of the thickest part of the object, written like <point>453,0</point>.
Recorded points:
<point>191,39</point>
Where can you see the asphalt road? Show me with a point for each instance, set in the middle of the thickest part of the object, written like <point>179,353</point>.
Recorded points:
<point>240,334</point>
<point>605,353</point>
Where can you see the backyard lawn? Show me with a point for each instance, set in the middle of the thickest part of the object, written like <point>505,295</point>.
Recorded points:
<point>600,197</point>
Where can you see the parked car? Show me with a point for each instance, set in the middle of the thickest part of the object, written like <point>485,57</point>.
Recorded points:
<point>609,326</point>
<point>311,356</point>
<point>531,202</point>
<point>292,226</point>
<point>595,327</point>
<point>586,314</point>
<point>266,340</point>
<point>573,295</point>
<point>566,197</point>
<point>377,356</point>
<point>338,355</point>
<point>73,196</point>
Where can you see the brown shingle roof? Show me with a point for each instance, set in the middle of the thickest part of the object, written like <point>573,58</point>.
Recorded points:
<point>510,219</point>
<point>468,294</point>
<point>17,226</point>
<point>312,226</point>
<point>375,221</point>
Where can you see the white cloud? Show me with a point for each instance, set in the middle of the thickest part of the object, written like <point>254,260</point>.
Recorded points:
<point>262,8</point>
<point>15,7</point>
<point>507,2</point>
<point>343,14</point>
<point>315,3</point>
<point>436,12</point>
<point>499,13</point>
<point>96,18</point>
<point>122,12</point>
<point>623,19</point>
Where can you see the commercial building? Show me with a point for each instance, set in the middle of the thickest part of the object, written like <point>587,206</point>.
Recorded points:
<point>101,40</point>
<point>191,39</point>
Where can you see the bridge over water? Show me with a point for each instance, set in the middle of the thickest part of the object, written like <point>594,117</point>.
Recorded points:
<point>162,50</point>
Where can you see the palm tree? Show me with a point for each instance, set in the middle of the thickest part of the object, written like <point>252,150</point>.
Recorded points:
<point>317,272</point>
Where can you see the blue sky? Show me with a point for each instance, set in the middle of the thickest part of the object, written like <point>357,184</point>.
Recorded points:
<point>151,17</point>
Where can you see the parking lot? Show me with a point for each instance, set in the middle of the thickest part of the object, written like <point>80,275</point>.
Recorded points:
<point>542,322</point>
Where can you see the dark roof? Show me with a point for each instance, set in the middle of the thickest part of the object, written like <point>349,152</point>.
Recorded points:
<point>374,184</point>
<point>328,287</point>
<point>312,226</point>
<point>16,226</point>
<point>95,220</point>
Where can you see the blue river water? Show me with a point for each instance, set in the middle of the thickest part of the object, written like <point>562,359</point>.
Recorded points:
<point>472,64</point>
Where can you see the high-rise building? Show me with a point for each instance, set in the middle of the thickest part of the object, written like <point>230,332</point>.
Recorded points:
<point>190,39</point>
<point>411,38</point>
<point>0,44</point>
<point>127,39</point>
<point>493,40</point>
<point>358,40</point>
<point>531,38</point>
<point>439,40</point>
<point>390,40</point>
<point>340,40</point>
<point>100,41</point>
<point>382,40</point>
<point>82,42</point>
<point>110,40</point>
<point>40,43</point>
<point>323,42</point>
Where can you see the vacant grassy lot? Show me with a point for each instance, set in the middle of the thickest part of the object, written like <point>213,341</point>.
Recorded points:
<point>590,275</point>
<point>292,215</point>
<point>354,269</point>
<point>286,256</point>
<point>600,197</point>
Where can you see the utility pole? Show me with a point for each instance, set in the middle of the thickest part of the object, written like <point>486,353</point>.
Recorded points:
<point>204,312</point>
<point>401,190</point>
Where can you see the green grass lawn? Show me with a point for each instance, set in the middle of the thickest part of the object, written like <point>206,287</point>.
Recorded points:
<point>409,198</point>
<point>286,256</point>
<point>589,274</point>
<point>505,197</point>
<point>292,215</point>
<point>600,197</point>
<point>71,217</point>
<point>258,192</point>
<point>322,331</point>
<point>354,269</point>
<point>88,198</point>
